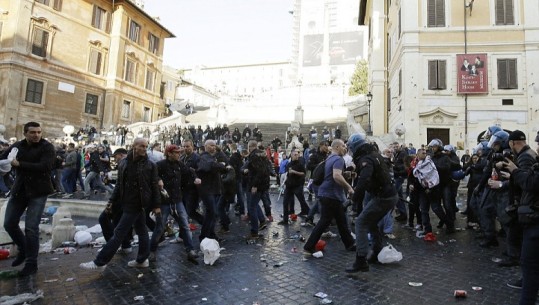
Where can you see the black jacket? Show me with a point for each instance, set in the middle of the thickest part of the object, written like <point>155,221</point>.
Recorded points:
<point>528,181</point>
<point>33,176</point>
<point>175,176</point>
<point>316,157</point>
<point>399,169</point>
<point>443,166</point>
<point>294,180</point>
<point>139,189</point>
<point>525,160</point>
<point>209,171</point>
<point>258,174</point>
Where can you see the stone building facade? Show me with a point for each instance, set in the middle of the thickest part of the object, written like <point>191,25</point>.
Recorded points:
<point>449,69</point>
<point>79,62</point>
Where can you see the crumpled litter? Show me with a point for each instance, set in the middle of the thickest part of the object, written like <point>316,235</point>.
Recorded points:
<point>95,229</point>
<point>210,248</point>
<point>83,238</point>
<point>318,254</point>
<point>46,247</point>
<point>21,298</point>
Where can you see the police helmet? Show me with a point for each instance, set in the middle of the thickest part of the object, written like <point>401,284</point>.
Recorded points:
<point>491,131</point>
<point>436,142</point>
<point>501,137</point>
<point>355,141</point>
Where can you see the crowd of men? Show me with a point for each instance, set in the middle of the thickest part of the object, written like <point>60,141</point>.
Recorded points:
<point>151,184</point>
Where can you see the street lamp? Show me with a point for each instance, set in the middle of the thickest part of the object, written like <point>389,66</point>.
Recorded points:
<point>369,99</point>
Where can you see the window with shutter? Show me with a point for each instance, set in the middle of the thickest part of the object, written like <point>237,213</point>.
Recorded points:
<point>40,42</point>
<point>99,18</point>
<point>436,13</point>
<point>57,5</point>
<point>126,110</point>
<point>150,79</point>
<point>130,70</point>
<point>90,106</point>
<point>34,91</point>
<point>507,74</point>
<point>95,62</point>
<point>134,31</point>
<point>504,12</point>
<point>153,43</point>
<point>437,74</point>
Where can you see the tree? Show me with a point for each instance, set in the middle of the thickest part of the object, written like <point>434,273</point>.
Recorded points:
<point>359,81</point>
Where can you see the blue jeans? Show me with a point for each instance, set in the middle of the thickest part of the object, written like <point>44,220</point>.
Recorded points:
<point>208,224</point>
<point>529,262</point>
<point>367,222</point>
<point>178,212</point>
<point>108,222</point>
<point>94,177</point>
<point>3,186</point>
<point>69,179</point>
<point>266,202</point>
<point>127,221</point>
<point>222,209</point>
<point>27,242</point>
<point>256,215</point>
<point>386,223</point>
<point>401,206</point>
<point>239,194</point>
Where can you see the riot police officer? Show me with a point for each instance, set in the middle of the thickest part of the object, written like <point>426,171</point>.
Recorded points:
<point>374,178</point>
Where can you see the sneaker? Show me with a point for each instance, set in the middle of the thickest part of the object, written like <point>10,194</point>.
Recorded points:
<point>176,240</point>
<point>262,225</point>
<point>390,235</point>
<point>515,284</point>
<point>419,227</point>
<point>329,234</point>
<point>192,256</point>
<point>135,264</point>
<point>92,266</point>
<point>125,250</point>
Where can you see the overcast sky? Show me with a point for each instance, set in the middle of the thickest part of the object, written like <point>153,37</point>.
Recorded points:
<point>224,32</point>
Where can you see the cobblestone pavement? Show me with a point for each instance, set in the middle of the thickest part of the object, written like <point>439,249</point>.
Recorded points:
<point>272,272</point>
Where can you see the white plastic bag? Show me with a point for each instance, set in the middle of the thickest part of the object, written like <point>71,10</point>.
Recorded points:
<point>389,255</point>
<point>5,165</point>
<point>82,238</point>
<point>211,249</point>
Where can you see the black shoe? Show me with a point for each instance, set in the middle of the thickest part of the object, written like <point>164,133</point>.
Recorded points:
<point>509,262</point>
<point>450,230</point>
<point>18,260</point>
<point>262,225</point>
<point>401,217</point>
<point>440,225</point>
<point>351,248</point>
<point>489,243</point>
<point>28,269</point>
<point>359,265</point>
<point>310,197</point>
<point>515,284</point>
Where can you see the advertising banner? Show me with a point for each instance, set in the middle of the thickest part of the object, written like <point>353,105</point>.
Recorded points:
<point>313,46</point>
<point>472,74</point>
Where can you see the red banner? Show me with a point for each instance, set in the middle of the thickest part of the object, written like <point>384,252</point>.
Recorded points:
<point>472,73</point>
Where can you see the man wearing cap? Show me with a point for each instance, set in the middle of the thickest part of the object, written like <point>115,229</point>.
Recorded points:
<point>173,175</point>
<point>110,217</point>
<point>527,180</point>
<point>525,158</point>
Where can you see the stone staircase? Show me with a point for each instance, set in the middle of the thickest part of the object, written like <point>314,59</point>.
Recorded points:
<point>271,130</point>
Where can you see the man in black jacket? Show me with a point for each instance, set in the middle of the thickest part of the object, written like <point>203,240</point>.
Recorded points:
<point>190,158</point>
<point>443,166</point>
<point>173,176</point>
<point>136,190</point>
<point>294,187</point>
<point>400,174</point>
<point>258,180</point>
<point>33,163</point>
<point>209,171</point>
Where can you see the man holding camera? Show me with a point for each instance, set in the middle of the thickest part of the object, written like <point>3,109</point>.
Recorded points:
<point>526,178</point>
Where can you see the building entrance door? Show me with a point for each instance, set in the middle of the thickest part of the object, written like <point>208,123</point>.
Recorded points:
<point>438,133</point>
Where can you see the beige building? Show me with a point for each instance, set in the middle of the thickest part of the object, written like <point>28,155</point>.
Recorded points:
<point>449,69</point>
<point>79,62</point>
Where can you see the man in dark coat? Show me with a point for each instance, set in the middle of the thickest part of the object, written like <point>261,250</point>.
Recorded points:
<point>33,163</point>
<point>136,190</point>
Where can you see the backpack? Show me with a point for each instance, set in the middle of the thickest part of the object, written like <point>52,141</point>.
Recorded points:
<point>319,172</point>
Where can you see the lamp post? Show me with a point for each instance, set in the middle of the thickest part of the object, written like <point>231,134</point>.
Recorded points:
<point>369,99</point>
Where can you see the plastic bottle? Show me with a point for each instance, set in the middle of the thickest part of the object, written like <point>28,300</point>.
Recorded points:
<point>494,175</point>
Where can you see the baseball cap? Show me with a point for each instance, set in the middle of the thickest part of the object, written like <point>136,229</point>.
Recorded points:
<point>172,148</point>
<point>517,135</point>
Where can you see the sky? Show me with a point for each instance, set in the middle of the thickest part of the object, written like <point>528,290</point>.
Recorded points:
<point>224,32</point>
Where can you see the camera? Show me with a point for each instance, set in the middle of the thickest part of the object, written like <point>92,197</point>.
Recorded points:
<point>499,157</point>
